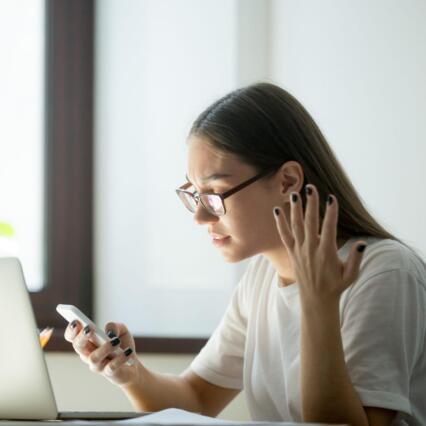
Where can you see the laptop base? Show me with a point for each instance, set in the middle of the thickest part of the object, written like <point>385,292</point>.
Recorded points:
<point>100,415</point>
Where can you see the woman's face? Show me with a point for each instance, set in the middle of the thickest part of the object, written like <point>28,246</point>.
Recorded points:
<point>248,227</point>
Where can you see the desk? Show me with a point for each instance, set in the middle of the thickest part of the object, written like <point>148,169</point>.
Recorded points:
<point>126,422</point>
<point>168,417</point>
<point>60,422</point>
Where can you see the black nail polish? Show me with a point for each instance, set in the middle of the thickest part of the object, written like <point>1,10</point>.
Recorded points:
<point>73,324</point>
<point>308,190</point>
<point>115,341</point>
<point>294,197</point>
<point>329,199</point>
<point>111,334</point>
<point>276,211</point>
<point>86,329</point>
<point>128,351</point>
<point>361,248</point>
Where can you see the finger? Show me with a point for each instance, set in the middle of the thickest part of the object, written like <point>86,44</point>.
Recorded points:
<point>84,358</point>
<point>312,216</point>
<point>111,368</point>
<point>283,228</point>
<point>97,368</point>
<point>73,328</point>
<point>353,262</point>
<point>113,329</point>
<point>328,236</point>
<point>81,343</point>
<point>117,329</point>
<point>296,215</point>
<point>98,356</point>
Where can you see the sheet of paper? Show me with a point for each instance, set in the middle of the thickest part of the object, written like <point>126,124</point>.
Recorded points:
<point>174,416</point>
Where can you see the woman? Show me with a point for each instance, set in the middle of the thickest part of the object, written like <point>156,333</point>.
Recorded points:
<point>328,322</point>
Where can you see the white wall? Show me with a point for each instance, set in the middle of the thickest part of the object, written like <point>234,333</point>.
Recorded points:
<point>76,388</point>
<point>359,67</point>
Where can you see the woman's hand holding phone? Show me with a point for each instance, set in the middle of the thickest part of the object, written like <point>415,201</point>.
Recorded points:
<point>104,359</point>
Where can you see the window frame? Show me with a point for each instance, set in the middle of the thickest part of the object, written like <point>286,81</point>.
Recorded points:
<point>68,159</point>
<point>69,137</point>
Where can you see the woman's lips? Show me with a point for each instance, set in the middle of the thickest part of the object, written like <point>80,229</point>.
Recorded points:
<point>220,241</point>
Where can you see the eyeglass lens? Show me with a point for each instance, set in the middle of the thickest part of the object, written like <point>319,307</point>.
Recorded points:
<point>211,202</point>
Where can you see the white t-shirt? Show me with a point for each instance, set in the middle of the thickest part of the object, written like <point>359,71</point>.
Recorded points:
<point>256,346</point>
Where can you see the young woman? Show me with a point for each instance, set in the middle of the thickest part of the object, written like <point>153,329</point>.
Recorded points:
<point>328,322</point>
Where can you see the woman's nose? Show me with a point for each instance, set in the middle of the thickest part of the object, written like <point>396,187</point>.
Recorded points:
<point>202,216</point>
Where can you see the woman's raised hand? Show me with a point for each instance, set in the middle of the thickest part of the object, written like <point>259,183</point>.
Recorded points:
<point>321,275</point>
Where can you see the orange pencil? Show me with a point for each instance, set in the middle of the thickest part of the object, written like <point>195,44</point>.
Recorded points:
<point>45,336</point>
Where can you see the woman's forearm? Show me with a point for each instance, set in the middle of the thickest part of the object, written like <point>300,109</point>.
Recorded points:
<point>153,392</point>
<point>327,392</point>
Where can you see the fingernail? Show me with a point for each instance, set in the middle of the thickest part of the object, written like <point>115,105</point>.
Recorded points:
<point>128,351</point>
<point>329,199</point>
<point>294,197</point>
<point>86,329</point>
<point>361,247</point>
<point>111,334</point>
<point>308,190</point>
<point>115,341</point>
<point>276,211</point>
<point>73,324</point>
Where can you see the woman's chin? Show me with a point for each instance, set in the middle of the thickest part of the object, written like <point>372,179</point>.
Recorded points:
<point>234,256</point>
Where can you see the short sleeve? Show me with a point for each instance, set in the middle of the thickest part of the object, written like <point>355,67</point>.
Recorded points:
<point>221,360</point>
<point>383,328</point>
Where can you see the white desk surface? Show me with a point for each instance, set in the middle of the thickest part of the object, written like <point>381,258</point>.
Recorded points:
<point>169,417</point>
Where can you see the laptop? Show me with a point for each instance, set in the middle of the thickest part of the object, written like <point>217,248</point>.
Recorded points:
<point>25,389</point>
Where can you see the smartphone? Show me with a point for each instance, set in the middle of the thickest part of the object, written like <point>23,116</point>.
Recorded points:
<point>71,313</point>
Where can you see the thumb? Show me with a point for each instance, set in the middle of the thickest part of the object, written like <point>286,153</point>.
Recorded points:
<point>353,262</point>
<point>118,329</point>
<point>112,330</point>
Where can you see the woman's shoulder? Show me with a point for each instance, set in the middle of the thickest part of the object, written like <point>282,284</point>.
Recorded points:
<point>387,255</point>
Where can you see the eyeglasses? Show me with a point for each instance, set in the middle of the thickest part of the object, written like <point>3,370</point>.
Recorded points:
<point>212,202</point>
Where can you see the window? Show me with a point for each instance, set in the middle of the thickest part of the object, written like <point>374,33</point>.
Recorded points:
<point>69,157</point>
<point>22,146</point>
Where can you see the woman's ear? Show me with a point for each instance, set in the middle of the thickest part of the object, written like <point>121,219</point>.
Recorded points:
<point>291,178</point>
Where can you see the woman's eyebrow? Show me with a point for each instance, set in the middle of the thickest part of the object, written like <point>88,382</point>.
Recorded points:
<point>214,176</point>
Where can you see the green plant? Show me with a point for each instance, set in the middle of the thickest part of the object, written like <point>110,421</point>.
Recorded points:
<point>6,230</point>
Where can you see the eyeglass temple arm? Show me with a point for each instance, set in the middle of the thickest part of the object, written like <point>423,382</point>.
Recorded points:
<point>185,185</point>
<point>244,184</point>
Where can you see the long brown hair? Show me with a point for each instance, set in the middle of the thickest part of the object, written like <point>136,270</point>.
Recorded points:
<point>266,126</point>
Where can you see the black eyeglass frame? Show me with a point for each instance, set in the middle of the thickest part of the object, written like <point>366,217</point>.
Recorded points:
<point>197,196</point>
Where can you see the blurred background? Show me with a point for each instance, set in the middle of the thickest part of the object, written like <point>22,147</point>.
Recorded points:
<point>97,98</point>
